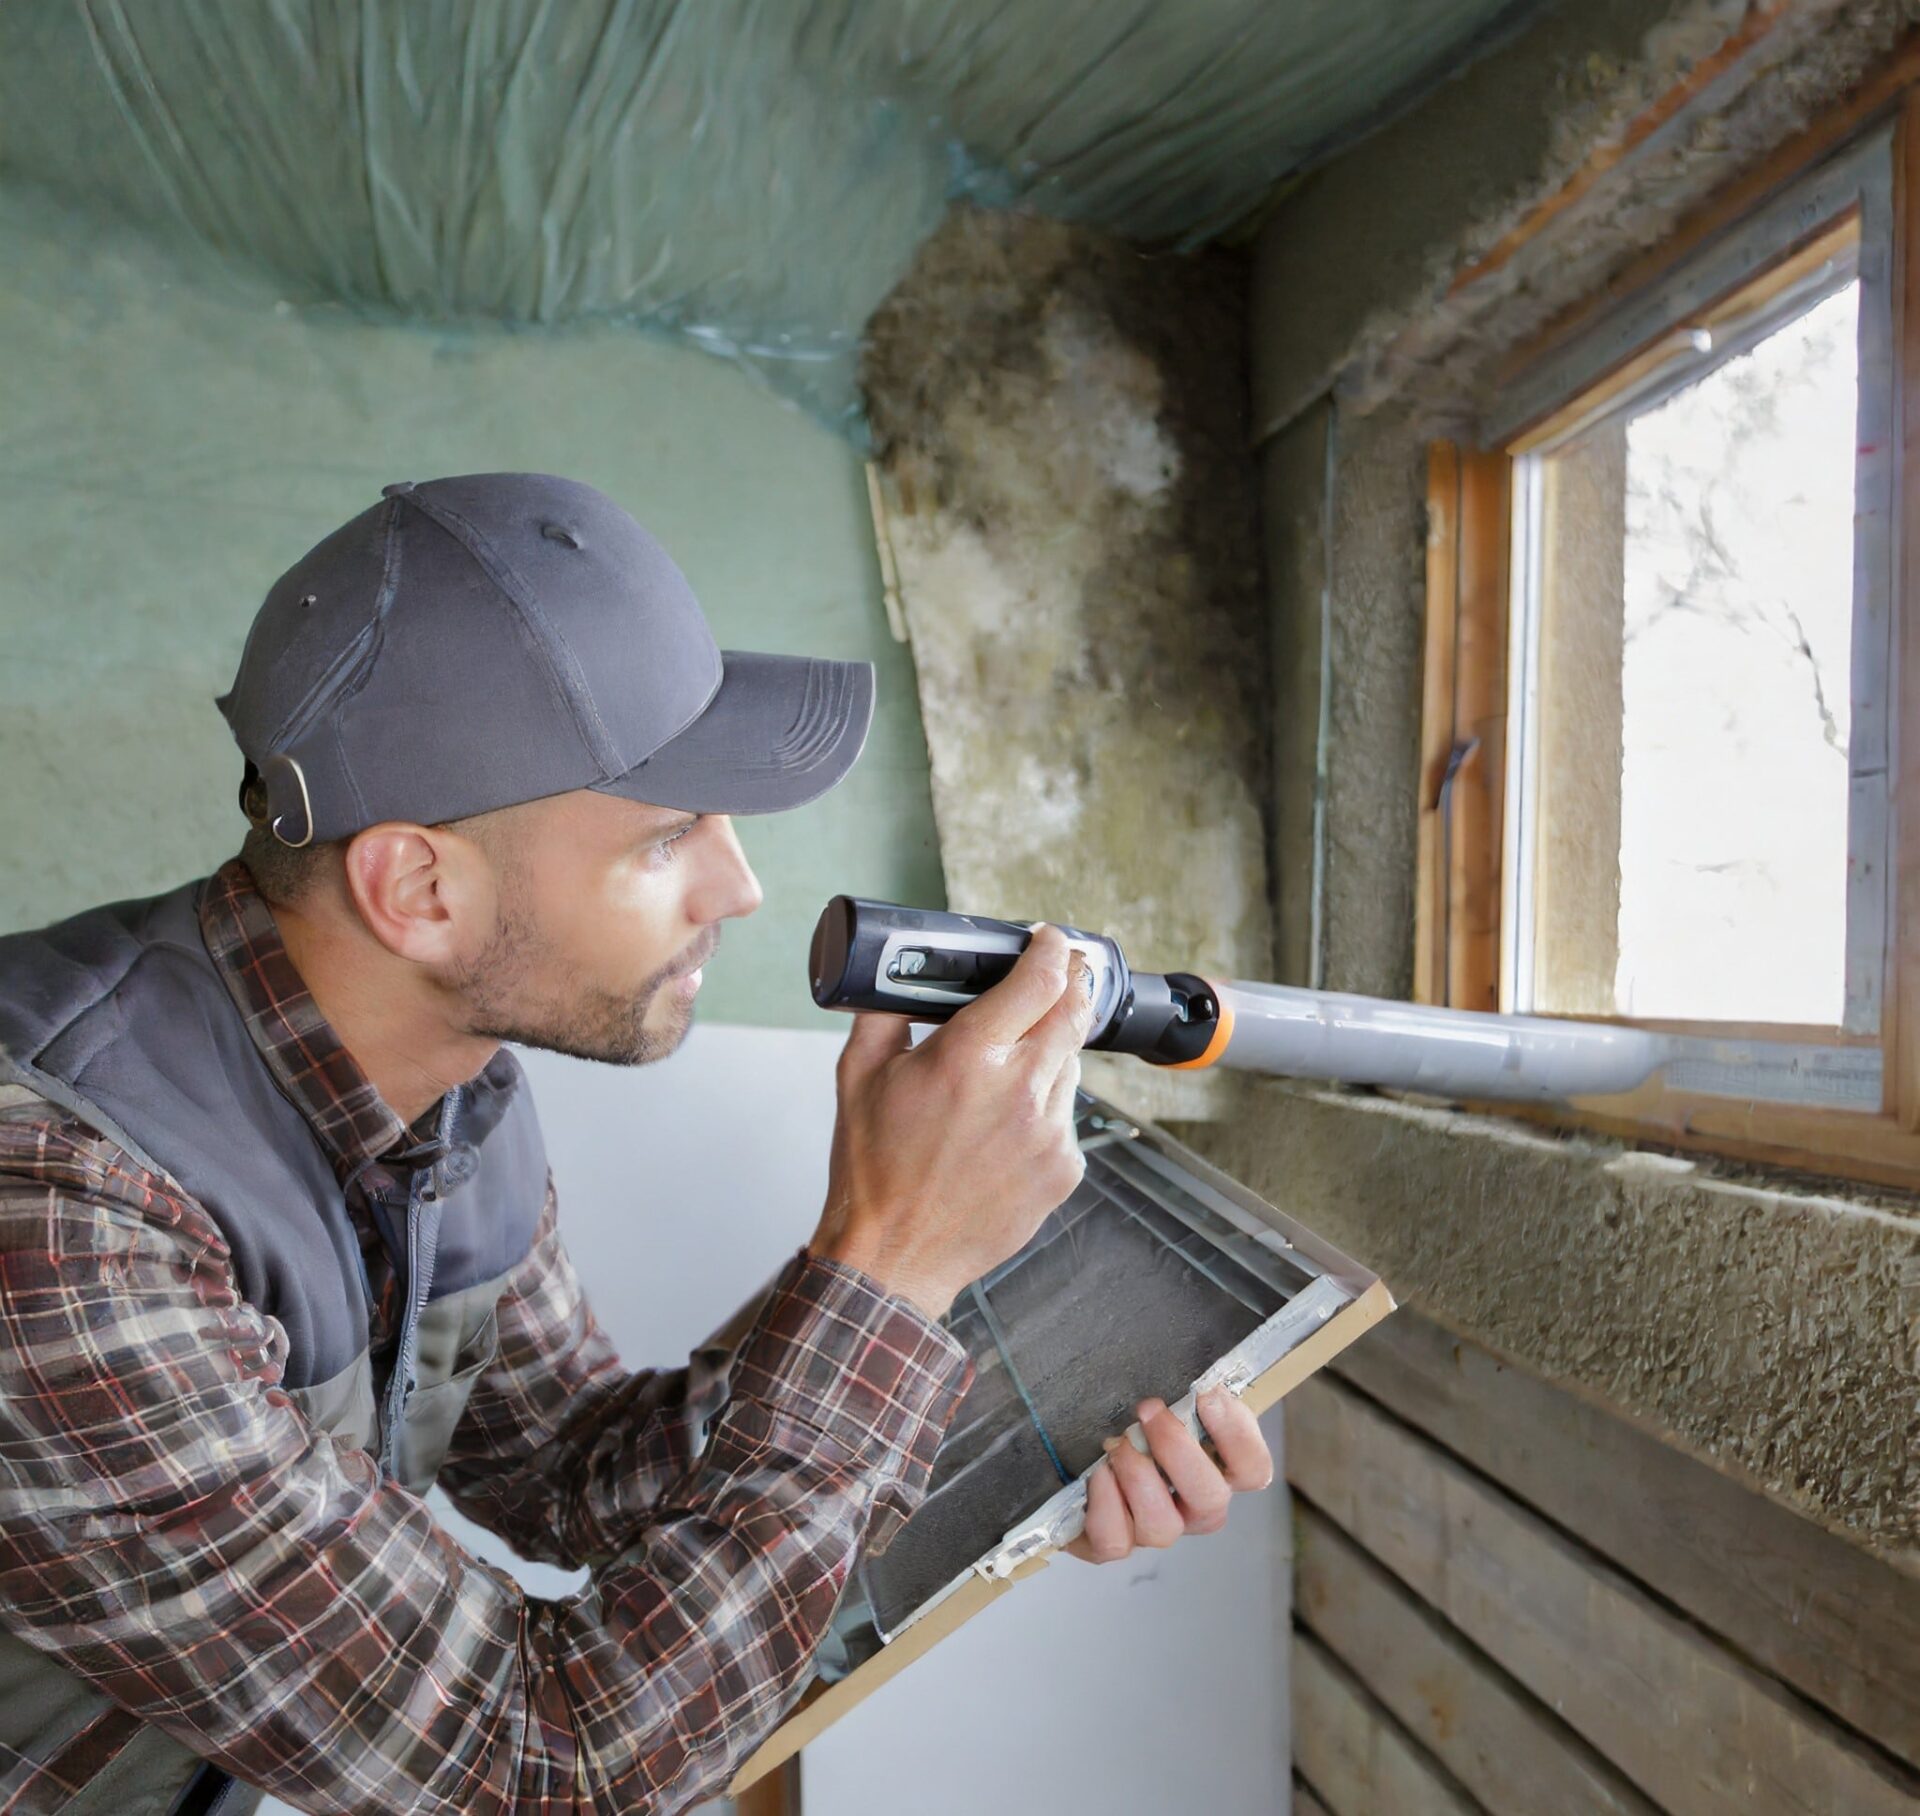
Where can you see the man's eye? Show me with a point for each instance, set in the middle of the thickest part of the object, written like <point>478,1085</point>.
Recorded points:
<point>674,838</point>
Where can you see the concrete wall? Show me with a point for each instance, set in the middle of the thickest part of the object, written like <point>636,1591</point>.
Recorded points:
<point>1770,1327</point>
<point>171,442</point>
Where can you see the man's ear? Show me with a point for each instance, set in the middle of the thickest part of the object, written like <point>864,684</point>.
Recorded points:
<point>419,890</point>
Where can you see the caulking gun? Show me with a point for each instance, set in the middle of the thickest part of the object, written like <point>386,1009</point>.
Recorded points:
<point>928,964</point>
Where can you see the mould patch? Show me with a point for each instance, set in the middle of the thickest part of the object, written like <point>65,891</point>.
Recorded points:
<point>1061,429</point>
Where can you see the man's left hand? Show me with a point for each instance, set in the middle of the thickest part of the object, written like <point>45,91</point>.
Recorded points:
<point>1135,1500</point>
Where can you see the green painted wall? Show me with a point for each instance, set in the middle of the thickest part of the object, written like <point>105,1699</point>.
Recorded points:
<point>169,443</point>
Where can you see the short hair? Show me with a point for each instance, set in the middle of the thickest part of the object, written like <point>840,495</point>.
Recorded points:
<point>286,874</point>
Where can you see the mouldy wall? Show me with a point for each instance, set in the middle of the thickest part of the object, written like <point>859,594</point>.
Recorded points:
<point>174,438</point>
<point>1774,1332</point>
<point>1061,426</point>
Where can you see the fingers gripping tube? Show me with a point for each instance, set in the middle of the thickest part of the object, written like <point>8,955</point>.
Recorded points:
<point>928,964</point>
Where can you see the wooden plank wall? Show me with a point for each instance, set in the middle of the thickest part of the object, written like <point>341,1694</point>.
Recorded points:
<point>1508,1599</point>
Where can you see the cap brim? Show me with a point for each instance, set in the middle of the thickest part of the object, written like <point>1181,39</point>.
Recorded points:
<point>779,733</point>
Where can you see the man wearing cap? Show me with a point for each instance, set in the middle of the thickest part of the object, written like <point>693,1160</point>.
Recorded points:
<point>277,1236</point>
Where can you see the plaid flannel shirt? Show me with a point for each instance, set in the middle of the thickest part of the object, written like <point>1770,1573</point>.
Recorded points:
<point>179,1537</point>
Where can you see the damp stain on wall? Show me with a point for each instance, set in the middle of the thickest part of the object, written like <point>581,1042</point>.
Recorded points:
<point>1060,425</point>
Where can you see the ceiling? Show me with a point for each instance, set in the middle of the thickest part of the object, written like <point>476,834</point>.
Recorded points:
<point>751,174</point>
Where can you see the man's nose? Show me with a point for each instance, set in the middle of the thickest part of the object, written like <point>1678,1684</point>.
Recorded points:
<point>733,889</point>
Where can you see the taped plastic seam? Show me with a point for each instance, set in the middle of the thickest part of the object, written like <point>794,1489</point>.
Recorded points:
<point>750,175</point>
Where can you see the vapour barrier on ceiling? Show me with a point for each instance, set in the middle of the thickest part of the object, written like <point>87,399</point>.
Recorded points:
<point>753,175</point>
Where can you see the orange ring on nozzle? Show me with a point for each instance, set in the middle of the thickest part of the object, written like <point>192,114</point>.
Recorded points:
<point>1222,1035</point>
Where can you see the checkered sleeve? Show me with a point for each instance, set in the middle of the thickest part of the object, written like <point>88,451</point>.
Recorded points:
<point>561,1450</point>
<point>176,1534</point>
<point>564,1453</point>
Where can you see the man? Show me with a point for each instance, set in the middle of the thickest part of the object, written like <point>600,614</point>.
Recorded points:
<point>277,1236</point>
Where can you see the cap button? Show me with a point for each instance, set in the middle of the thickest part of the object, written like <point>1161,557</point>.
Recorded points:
<point>399,489</point>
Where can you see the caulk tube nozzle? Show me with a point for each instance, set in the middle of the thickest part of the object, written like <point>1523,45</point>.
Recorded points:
<point>1452,1053</point>
<point>1173,1019</point>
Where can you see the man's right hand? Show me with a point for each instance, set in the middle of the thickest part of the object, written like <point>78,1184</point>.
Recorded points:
<point>948,1156</point>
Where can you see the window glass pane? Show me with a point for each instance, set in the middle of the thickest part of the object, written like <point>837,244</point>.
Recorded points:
<point>1695,625</point>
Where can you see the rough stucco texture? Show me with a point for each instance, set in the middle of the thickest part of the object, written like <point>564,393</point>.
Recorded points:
<point>1354,274</point>
<point>1773,1331</point>
<point>1373,576</point>
<point>1377,589</point>
<point>1061,425</point>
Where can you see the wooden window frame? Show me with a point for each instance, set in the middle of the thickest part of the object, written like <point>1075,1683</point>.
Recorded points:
<point>1464,810</point>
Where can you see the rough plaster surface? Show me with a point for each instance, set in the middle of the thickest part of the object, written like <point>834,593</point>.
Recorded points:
<point>1373,578</point>
<point>1061,426</point>
<point>1293,503</point>
<point>1773,1331</point>
<point>1353,272</point>
<point>1378,579</point>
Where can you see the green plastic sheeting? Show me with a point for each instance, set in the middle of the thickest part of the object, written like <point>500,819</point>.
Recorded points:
<point>751,174</point>
<point>167,449</point>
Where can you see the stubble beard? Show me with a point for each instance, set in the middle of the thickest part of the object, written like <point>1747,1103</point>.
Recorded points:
<point>517,990</point>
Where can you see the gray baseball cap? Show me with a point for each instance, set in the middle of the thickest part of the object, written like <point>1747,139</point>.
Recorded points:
<point>471,643</point>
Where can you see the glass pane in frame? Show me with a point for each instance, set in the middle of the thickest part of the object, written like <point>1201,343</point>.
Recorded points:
<point>1695,615</point>
<point>1724,383</point>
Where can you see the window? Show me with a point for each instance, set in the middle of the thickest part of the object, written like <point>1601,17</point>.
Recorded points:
<point>1662,719</point>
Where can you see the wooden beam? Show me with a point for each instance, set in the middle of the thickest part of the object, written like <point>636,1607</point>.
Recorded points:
<point>1693,1725</point>
<point>1508,1751</point>
<point>1837,1624</point>
<point>1463,730</point>
<point>777,1794</point>
<point>1353,1753</point>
